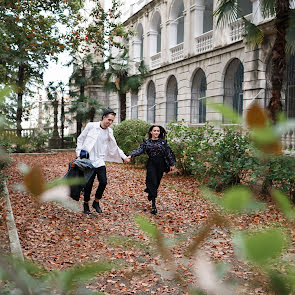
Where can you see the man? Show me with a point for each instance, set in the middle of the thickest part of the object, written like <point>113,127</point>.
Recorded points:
<point>98,143</point>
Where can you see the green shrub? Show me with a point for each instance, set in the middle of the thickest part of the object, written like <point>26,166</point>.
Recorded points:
<point>230,159</point>
<point>129,135</point>
<point>192,147</point>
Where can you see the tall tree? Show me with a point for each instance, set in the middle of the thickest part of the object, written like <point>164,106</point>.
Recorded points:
<point>83,106</point>
<point>228,10</point>
<point>30,35</point>
<point>108,38</point>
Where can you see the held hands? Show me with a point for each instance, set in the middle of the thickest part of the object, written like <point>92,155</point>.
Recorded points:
<point>127,160</point>
<point>172,168</point>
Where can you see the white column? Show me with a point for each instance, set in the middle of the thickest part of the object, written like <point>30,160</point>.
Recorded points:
<point>136,49</point>
<point>198,12</point>
<point>221,34</point>
<point>187,34</point>
<point>152,42</point>
<point>256,12</point>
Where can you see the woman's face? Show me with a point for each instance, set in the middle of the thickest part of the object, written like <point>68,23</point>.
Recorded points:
<point>155,132</point>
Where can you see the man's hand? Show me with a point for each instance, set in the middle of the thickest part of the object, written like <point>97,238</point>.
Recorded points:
<point>172,168</point>
<point>127,160</point>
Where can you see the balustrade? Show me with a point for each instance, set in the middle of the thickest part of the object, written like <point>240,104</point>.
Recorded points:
<point>177,52</point>
<point>156,60</point>
<point>204,42</point>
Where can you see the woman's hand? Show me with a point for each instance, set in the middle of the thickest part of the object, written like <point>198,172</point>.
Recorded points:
<point>172,168</point>
<point>127,160</point>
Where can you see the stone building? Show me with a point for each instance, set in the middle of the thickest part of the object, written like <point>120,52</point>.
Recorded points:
<point>190,57</point>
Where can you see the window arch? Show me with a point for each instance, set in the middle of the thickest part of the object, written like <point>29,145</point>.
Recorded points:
<point>199,88</point>
<point>171,102</point>
<point>155,34</point>
<point>134,105</point>
<point>288,88</point>
<point>233,85</point>
<point>177,22</point>
<point>138,43</point>
<point>151,102</point>
<point>245,7</point>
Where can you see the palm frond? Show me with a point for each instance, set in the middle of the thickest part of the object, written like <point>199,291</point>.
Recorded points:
<point>290,36</point>
<point>268,8</point>
<point>254,35</point>
<point>226,12</point>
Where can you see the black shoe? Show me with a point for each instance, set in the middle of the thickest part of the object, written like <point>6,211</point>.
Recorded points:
<point>154,210</point>
<point>86,208</point>
<point>95,205</point>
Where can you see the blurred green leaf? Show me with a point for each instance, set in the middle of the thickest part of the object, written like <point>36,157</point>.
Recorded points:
<point>240,199</point>
<point>145,225</point>
<point>279,283</point>
<point>260,246</point>
<point>65,181</point>
<point>264,135</point>
<point>284,204</point>
<point>227,111</point>
<point>69,279</point>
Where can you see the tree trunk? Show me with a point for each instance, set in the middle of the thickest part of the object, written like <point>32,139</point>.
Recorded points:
<point>279,57</point>
<point>82,93</point>
<point>122,97</point>
<point>92,114</point>
<point>55,113</point>
<point>62,120</point>
<point>20,93</point>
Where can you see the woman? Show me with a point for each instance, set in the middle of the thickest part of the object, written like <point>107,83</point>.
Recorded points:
<point>161,159</point>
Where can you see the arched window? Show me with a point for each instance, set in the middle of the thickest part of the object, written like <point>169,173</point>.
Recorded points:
<point>290,87</point>
<point>138,43</point>
<point>134,106</point>
<point>177,22</point>
<point>171,102</point>
<point>198,107</point>
<point>233,85</point>
<point>155,34</point>
<point>151,102</point>
<point>208,16</point>
<point>245,7</point>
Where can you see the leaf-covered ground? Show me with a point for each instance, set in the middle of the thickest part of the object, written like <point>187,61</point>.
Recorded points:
<point>58,238</point>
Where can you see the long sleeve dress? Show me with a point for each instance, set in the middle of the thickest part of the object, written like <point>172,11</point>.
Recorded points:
<point>157,151</point>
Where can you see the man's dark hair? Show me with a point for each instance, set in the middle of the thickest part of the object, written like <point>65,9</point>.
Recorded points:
<point>107,112</point>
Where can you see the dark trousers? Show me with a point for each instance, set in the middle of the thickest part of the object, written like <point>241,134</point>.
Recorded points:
<point>102,178</point>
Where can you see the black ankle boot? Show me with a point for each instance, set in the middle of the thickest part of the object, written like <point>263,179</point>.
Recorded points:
<point>154,210</point>
<point>86,208</point>
<point>95,205</point>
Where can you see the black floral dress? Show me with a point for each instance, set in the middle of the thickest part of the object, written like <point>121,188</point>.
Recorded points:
<point>157,151</point>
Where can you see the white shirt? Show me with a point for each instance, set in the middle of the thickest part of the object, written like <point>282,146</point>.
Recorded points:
<point>88,139</point>
<point>97,154</point>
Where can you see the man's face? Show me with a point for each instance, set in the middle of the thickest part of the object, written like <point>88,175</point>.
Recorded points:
<point>107,120</point>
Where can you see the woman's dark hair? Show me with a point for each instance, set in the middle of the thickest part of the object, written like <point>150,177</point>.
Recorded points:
<point>162,131</point>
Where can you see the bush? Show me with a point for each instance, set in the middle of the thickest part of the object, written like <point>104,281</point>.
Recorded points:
<point>214,157</point>
<point>192,147</point>
<point>230,159</point>
<point>129,135</point>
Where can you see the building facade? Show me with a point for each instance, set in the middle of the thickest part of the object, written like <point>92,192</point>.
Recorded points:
<point>189,58</point>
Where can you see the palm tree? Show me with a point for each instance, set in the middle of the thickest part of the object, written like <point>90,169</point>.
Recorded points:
<point>118,79</point>
<point>228,10</point>
<point>84,107</point>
